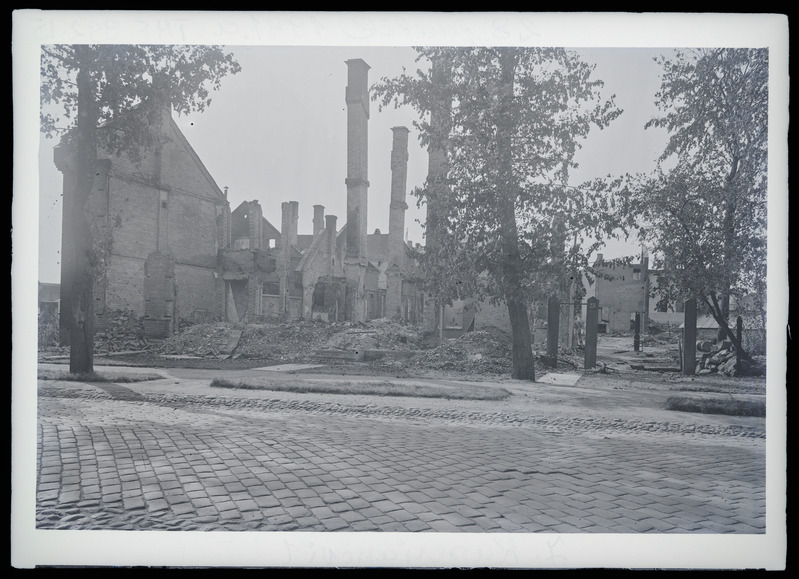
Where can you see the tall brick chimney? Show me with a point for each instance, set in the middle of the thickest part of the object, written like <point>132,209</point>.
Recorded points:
<point>255,223</point>
<point>355,264</point>
<point>330,242</point>
<point>285,225</point>
<point>294,219</point>
<point>397,208</point>
<point>318,219</point>
<point>357,99</point>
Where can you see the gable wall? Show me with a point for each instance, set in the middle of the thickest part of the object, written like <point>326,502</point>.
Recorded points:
<point>187,226</point>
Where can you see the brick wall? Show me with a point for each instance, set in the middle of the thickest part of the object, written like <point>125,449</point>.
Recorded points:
<point>316,266</point>
<point>125,284</point>
<point>177,200</point>
<point>192,230</point>
<point>159,285</point>
<point>183,170</point>
<point>620,298</point>
<point>134,211</point>
<point>196,290</point>
<point>159,295</point>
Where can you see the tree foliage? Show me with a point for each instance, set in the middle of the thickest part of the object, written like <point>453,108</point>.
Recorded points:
<point>706,215</point>
<point>509,223</point>
<point>125,89</point>
<point>121,78</point>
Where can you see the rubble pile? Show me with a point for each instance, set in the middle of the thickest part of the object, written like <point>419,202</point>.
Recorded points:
<point>492,343</point>
<point>479,352</point>
<point>379,334</point>
<point>123,331</point>
<point>287,342</point>
<point>199,340</point>
<point>720,358</point>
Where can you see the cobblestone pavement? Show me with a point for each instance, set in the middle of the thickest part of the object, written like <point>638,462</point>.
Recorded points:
<point>131,457</point>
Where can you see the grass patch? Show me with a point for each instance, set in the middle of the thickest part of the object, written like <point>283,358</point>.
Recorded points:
<point>66,376</point>
<point>735,387</point>
<point>730,407</point>
<point>384,388</point>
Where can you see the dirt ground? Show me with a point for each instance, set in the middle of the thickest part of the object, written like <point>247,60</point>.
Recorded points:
<point>475,357</point>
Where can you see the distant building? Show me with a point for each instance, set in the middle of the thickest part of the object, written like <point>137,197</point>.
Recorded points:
<point>49,307</point>
<point>624,290</point>
<point>49,299</point>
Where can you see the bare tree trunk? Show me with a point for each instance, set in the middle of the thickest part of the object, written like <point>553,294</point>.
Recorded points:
<point>440,122</point>
<point>523,362</point>
<point>440,320</point>
<point>81,319</point>
<point>725,331</point>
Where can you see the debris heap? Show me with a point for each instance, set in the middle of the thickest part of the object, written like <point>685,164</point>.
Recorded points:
<point>379,334</point>
<point>199,340</point>
<point>123,330</point>
<point>721,358</point>
<point>479,352</point>
<point>287,342</point>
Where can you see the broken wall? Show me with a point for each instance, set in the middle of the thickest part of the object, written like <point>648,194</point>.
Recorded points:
<point>167,204</point>
<point>621,297</point>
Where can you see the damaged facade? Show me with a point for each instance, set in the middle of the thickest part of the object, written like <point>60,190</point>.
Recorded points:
<point>180,253</point>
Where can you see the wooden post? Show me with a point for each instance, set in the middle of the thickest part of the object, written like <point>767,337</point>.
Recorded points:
<point>637,336</point>
<point>553,320</point>
<point>689,338</point>
<point>441,311</point>
<point>591,325</point>
<point>570,335</point>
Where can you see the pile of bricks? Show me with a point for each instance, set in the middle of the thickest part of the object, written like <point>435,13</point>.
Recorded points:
<point>287,342</point>
<point>199,340</point>
<point>122,330</point>
<point>376,334</point>
<point>478,352</point>
<point>721,358</point>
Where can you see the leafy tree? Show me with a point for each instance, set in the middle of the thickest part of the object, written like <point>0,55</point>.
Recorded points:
<point>706,216</point>
<point>124,87</point>
<point>516,116</point>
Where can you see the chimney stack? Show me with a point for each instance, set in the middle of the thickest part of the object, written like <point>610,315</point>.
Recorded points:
<point>318,219</point>
<point>294,210</point>
<point>330,231</point>
<point>397,208</point>
<point>357,99</point>
<point>285,225</point>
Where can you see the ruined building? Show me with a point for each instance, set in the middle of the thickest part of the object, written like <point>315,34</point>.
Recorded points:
<point>180,253</point>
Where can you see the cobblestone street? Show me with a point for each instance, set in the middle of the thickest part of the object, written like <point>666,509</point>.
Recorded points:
<point>119,457</point>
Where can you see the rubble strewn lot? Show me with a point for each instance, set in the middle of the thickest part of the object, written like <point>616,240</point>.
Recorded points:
<point>385,347</point>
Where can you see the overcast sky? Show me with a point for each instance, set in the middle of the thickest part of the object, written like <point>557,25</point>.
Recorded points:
<point>277,132</point>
